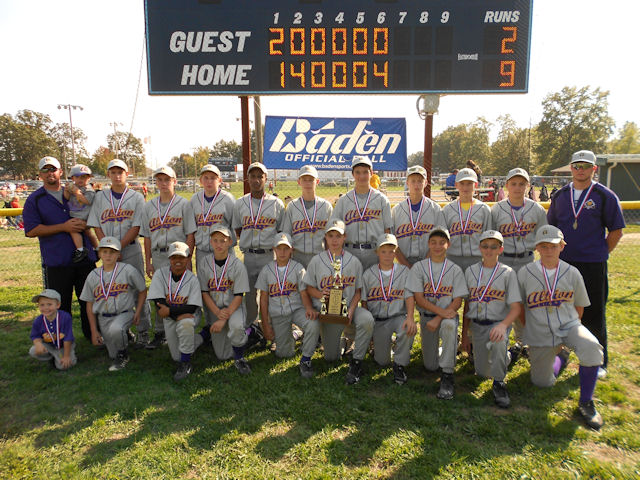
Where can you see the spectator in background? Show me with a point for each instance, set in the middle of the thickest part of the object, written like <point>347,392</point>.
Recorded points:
<point>450,182</point>
<point>375,181</point>
<point>532,194</point>
<point>473,166</point>
<point>544,194</point>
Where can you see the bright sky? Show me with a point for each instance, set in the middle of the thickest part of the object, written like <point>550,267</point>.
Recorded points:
<point>88,53</point>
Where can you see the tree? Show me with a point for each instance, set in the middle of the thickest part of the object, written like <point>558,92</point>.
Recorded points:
<point>627,141</point>
<point>572,119</point>
<point>227,149</point>
<point>130,149</point>
<point>511,149</point>
<point>61,134</point>
<point>189,165</point>
<point>416,158</point>
<point>457,144</point>
<point>100,161</point>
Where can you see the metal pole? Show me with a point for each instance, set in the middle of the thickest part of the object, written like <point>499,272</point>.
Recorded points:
<point>257,115</point>
<point>246,140</point>
<point>428,151</point>
<point>73,143</point>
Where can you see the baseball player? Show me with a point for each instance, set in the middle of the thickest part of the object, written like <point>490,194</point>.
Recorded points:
<point>518,219</point>
<point>257,217</point>
<point>175,290</point>
<point>438,286</point>
<point>466,218</point>
<point>80,195</point>
<point>224,281</point>
<point>211,206</point>
<point>319,277</point>
<point>111,292</point>
<point>392,306</point>
<point>306,217</point>
<point>52,332</point>
<point>165,219</point>
<point>365,212</point>
<point>117,212</point>
<point>554,297</point>
<point>494,304</point>
<point>284,301</point>
<point>414,218</point>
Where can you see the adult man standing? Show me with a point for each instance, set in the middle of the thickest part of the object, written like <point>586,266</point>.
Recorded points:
<point>590,217</point>
<point>46,216</point>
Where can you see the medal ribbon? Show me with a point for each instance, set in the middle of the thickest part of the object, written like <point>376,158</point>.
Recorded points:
<point>284,277</point>
<point>115,210</point>
<point>573,205</point>
<point>172,298</point>
<point>162,218</point>
<point>466,223</point>
<point>386,294</point>
<point>437,287</point>
<point>255,219</point>
<point>113,277</point>
<point>515,220</point>
<point>550,289</point>
<point>355,199</point>
<point>311,223</point>
<point>486,288</point>
<point>46,327</point>
<point>415,225</point>
<point>217,282</point>
<point>205,217</point>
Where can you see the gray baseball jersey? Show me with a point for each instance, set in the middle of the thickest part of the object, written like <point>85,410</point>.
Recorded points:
<point>363,225</point>
<point>320,274</point>
<point>259,228</point>
<point>167,223</point>
<point>548,320</point>
<point>307,238</point>
<point>451,286</point>
<point>80,210</point>
<point>208,215</point>
<point>390,302</point>
<point>234,280</point>
<point>519,235</point>
<point>113,296</point>
<point>285,298</point>
<point>116,216</point>
<point>495,302</point>
<point>185,293</point>
<point>466,243</point>
<point>412,228</point>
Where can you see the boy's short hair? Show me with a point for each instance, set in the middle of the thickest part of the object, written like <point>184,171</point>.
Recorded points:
<point>439,231</point>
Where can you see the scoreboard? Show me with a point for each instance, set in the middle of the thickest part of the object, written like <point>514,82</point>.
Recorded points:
<point>261,47</point>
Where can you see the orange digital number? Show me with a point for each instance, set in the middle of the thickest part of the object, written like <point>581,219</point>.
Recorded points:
<point>385,41</point>
<point>334,68</point>
<point>334,34</point>
<point>299,74</point>
<point>381,71</point>
<point>293,32</point>
<point>282,74</point>
<point>323,73</point>
<point>315,34</point>
<point>275,44</point>
<point>362,32</point>
<point>363,72</point>
<point>511,39</point>
<point>508,70</point>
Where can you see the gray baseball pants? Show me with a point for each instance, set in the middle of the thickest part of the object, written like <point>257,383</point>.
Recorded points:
<point>53,352</point>
<point>489,358</point>
<point>285,344</point>
<point>382,333</point>
<point>181,336</point>
<point>114,331</point>
<point>331,332</point>
<point>447,332</point>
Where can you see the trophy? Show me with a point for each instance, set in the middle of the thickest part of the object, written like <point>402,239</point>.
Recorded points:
<point>335,309</point>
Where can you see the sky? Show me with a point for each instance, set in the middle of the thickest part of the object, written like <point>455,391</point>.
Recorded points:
<point>89,54</point>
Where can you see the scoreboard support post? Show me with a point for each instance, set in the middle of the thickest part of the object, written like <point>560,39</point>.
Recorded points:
<point>428,152</point>
<point>246,141</point>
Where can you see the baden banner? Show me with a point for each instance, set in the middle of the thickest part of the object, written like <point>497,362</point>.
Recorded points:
<point>330,143</point>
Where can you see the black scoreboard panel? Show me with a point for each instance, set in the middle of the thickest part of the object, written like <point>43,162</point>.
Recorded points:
<point>337,46</point>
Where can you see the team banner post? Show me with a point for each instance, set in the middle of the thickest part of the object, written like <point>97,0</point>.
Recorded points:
<point>331,143</point>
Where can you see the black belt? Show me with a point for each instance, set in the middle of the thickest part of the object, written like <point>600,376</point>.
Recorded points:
<point>109,315</point>
<point>360,245</point>
<point>428,315</point>
<point>517,255</point>
<point>258,250</point>
<point>163,250</point>
<point>485,322</point>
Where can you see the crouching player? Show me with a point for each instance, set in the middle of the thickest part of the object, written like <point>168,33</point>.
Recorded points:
<point>283,301</point>
<point>555,297</point>
<point>111,292</point>
<point>438,286</point>
<point>175,290</point>
<point>319,277</point>
<point>494,304</point>
<point>392,306</point>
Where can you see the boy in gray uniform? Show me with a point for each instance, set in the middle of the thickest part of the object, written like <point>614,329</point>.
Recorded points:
<point>306,217</point>
<point>224,281</point>
<point>117,212</point>
<point>494,304</point>
<point>111,292</point>
<point>80,195</point>
<point>365,212</point>
<point>319,277</point>
<point>554,298</point>
<point>438,286</point>
<point>177,296</point>
<point>257,217</point>
<point>392,306</point>
<point>284,301</point>
<point>414,218</point>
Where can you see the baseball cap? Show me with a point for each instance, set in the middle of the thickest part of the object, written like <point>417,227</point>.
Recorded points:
<point>337,225</point>
<point>166,170</point>
<point>441,230</point>
<point>387,239</point>
<point>466,174</point>
<point>79,170</point>
<point>116,162</point>
<point>109,242</point>
<point>518,172</point>
<point>209,167</point>
<point>46,293</point>
<point>419,169</point>
<point>308,170</point>
<point>258,165</point>
<point>549,234</point>
<point>48,161</point>
<point>282,239</point>
<point>361,160</point>
<point>220,228</point>
<point>584,156</point>
<point>494,234</point>
<point>179,248</point>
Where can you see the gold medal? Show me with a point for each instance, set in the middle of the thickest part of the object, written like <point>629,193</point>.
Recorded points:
<point>549,310</point>
<point>575,224</point>
<point>255,233</point>
<point>282,301</point>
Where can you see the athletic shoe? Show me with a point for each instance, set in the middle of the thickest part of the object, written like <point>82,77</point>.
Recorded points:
<point>157,342</point>
<point>120,362</point>
<point>242,366</point>
<point>183,371</point>
<point>564,355</point>
<point>500,394</point>
<point>79,256</point>
<point>256,339</point>
<point>514,351</point>
<point>399,375</point>
<point>131,336</point>
<point>355,372</point>
<point>306,370</point>
<point>590,415</point>
<point>446,387</point>
<point>602,373</point>
<point>142,340</point>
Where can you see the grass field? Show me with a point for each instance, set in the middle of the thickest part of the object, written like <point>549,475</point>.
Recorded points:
<point>90,423</point>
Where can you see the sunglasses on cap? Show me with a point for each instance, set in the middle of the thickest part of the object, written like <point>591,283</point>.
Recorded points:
<point>582,166</point>
<point>49,169</point>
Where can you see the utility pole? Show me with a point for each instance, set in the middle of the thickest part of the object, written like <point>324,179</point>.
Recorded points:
<point>68,106</point>
<point>115,135</point>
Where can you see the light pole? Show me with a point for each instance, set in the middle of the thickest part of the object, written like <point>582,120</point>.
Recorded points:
<point>426,109</point>
<point>68,106</point>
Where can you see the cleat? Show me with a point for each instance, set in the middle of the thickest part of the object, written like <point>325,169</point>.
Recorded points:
<point>119,362</point>
<point>399,375</point>
<point>142,340</point>
<point>602,373</point>
<point>500,394</point>
<point>183,371</point>
<point>446,387</point>
<point>590,415</point>
<point>564,354</point>
<point>515,351</point>
<point>157,342</point>
<point>79,256</point>
<point>355,372</point>
<point>242,366</point>
<point>306,370</point>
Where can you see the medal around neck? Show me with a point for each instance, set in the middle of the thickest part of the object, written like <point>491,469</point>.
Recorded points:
<point>334,308</point>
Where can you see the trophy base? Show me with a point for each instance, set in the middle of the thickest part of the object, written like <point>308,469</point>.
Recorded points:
<point>328,318</point>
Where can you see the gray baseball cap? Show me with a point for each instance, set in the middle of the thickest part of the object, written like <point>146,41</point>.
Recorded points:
<point>361,160</point>
<point>220,228</point>
<point>179,248</point>
<point>337,225</point>
<point>209,167</point>
<point>492,234</point>
<point>419,169</point>
<point>549,234</point>
<point>48,161</point>
<point>79,170</point>
<point>109,242</point>
<point>308,170</point>
<point>282,239</point>
<point>116,162</point>
<point>466,174</point>
<point>258,165</point>
<point>440,229</point>
<point>584,156</point>
<point>517,172</point>
<point>167,170</point>
<point>46,293</point>
<point>387,239</point>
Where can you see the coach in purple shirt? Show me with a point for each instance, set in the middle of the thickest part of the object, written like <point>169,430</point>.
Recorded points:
<point>590,217</point>
<point>46,216</point>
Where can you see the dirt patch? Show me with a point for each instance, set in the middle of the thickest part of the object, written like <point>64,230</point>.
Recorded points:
<point>630,238</point>
<point>605,453</point>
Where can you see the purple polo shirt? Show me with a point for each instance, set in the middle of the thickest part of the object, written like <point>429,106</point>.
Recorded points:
<point>38,329</point>
<point>57,250</point>
<point>601,212</point>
